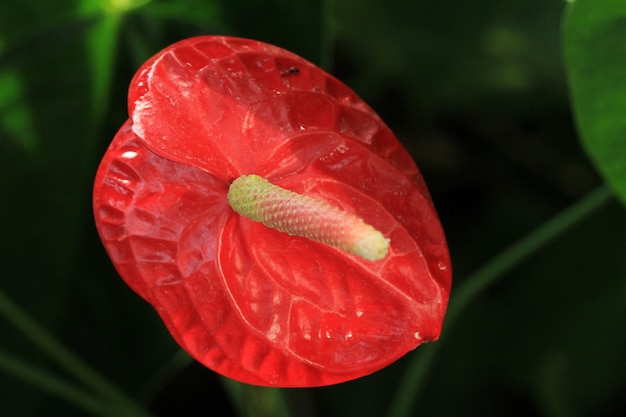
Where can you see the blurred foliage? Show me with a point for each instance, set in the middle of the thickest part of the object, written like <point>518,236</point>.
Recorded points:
<point>596,58</point>
<point>476,91</point>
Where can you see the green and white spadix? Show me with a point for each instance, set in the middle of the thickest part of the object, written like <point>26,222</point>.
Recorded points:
<point>298,215</point>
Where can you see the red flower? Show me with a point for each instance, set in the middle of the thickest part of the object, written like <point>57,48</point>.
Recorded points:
<point>304,305</point>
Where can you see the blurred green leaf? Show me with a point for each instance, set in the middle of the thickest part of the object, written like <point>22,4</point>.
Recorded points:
<point>452,54</point>
<point>17,120</point>
<point>46,183</point>
<point>57,62</point>
<point>595,53</point>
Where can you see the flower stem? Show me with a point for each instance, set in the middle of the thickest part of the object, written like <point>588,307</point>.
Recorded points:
<point>253,401</point>
<point>411,385</point>
<point>68,360</point>
<point>163,375</point>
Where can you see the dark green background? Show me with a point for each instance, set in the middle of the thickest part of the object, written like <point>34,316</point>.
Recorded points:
<point>477,91</point>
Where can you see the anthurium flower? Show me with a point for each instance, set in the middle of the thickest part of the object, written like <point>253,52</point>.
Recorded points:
<point>275,223</point>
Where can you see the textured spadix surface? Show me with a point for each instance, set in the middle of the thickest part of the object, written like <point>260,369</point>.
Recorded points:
<point>246,300</point>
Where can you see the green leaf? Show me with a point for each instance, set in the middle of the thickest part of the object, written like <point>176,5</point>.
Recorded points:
<point>595,55</point>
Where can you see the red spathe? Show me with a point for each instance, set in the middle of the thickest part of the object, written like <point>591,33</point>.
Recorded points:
<point>247,301</point>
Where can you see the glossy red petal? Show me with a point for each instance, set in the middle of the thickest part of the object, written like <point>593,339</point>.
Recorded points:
<point>249,302</point>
